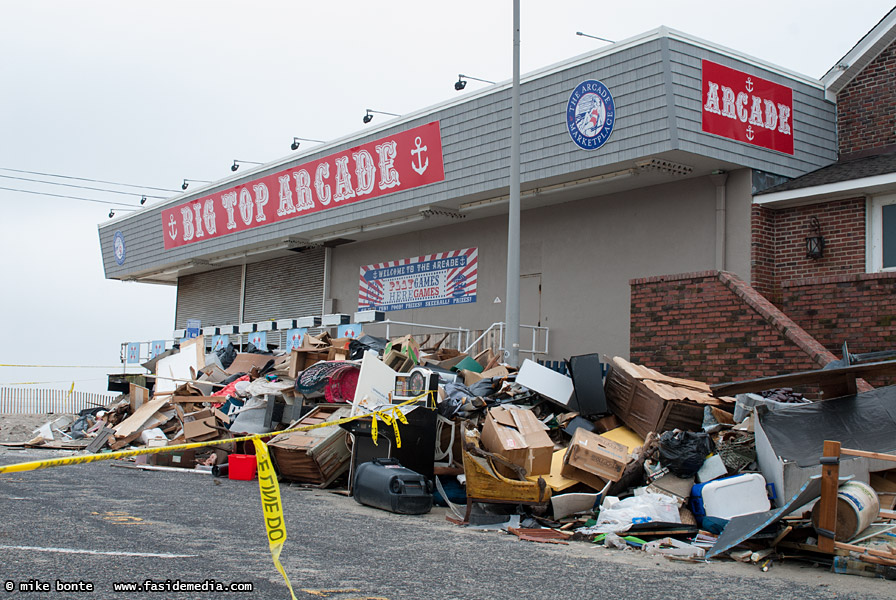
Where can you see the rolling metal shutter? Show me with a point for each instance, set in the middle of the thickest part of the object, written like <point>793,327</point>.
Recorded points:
<point>213,297</point>
<point>284,288</point>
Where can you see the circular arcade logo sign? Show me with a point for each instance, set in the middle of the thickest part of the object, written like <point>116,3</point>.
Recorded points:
<point>118,247</point>
<point>590,115</point>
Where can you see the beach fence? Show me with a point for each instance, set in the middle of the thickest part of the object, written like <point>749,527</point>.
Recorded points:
<point>17,401</point>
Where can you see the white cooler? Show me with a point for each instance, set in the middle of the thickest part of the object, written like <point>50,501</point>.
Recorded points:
<point>730,497</point>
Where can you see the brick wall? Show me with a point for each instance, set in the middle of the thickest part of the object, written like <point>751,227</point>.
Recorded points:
<point>857,309</point>
<point>779,243</point>
<point>762,251</point>
<point>866,108</point>
<point>713,327</point>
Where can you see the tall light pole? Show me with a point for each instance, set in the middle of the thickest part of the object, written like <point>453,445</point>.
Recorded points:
<point>512,310</point>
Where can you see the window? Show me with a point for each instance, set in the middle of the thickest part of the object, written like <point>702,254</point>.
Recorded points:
<point>882,223</point>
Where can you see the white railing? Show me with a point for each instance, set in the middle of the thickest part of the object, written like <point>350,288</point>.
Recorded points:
<point>16,401</point>
<point>534,349</point>
<point>459,337</point>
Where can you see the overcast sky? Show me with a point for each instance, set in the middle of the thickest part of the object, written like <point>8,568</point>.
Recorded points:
<point>149,93</point>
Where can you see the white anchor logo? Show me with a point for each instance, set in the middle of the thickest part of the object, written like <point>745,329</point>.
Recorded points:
<point>172,227</point>
<point>750,132</point>
<point>749,85</point>
<point>420,167</point>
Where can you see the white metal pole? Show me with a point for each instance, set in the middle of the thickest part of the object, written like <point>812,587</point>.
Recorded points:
<point>512,310</point>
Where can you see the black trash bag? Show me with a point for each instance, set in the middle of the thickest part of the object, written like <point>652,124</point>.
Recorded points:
<point>486,387</point>
<point>683,452</point>
<point>227,355</point>
<point>253,349</point>
<point>357,347</point>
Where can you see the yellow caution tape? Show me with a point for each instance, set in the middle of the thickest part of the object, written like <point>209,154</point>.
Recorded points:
<point>79,460</point>
<point>271,507</point>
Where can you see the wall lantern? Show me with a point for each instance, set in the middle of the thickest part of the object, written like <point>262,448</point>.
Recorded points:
<point>815,243</point>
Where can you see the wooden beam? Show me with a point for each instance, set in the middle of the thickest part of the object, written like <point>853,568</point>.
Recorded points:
<point>877,455</point>
<point>865,552</point>
<point>827,505</point>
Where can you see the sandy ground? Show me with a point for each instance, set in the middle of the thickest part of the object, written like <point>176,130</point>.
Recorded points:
<point>20,428</point>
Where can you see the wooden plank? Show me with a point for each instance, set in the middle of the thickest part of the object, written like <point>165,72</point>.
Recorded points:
<point>891,558</point>
<point>820,377</point>
<point>100,440</point>
<point>135,422</point>
<point>866,454</point>
<point>830,474</point>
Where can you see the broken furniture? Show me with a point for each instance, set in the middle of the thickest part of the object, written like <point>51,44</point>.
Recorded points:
<point>647,401</point>
<point>317,456</point>
<point>486,484</point>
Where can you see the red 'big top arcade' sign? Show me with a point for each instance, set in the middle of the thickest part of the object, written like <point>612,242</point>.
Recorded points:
<point>747,108</point>
<point>402,161</point>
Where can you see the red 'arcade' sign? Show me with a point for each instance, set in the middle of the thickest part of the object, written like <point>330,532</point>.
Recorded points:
<point>403,161</point>
<point>747,108</point>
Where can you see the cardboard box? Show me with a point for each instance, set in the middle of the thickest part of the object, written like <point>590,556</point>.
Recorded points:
<point>406,345</point>
<point>246,361</point>
<point>301,359</point>
<point>517,435</point>
<point>471,377</point>
<point>589,479</point>
<point>183,458</point>
<point>204,425</point>
<point>338,349</point>
<point>597,455</point>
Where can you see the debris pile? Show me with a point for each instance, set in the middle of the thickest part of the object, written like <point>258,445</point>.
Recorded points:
<point>598,450</point>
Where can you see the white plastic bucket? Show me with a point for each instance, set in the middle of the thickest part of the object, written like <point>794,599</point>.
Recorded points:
<point>857,508</point>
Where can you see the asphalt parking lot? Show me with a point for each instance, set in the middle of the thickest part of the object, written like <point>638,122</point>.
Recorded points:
<point>101,525</point>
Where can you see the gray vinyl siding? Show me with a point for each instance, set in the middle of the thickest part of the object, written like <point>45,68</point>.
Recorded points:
<point>476,134</point>
<point>813,119</point>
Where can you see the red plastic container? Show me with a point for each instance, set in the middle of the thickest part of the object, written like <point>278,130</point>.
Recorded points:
<point>241,466</point>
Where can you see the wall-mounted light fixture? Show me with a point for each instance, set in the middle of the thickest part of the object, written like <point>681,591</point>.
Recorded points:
<point>461,81</point>
<point>187,182</point>
<point>368,117</point>
<point>295,142</point>
<point>236,164</point>
<point>595,37</point>
<point>142,200</point>
<point>815,243</point>
<point>112,211</point>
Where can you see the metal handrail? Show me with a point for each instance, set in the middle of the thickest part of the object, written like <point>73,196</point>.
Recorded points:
<point>463,337</point>
<point>500,326</point>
